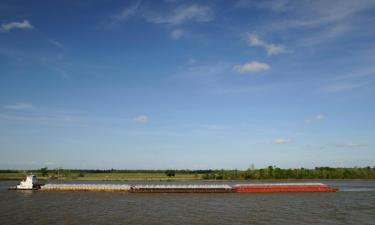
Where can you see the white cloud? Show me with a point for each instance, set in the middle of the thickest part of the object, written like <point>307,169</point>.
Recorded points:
<point>177,34</point>
<point>281,141</point>
<point>351,145</point>
<point>16,25</point>
<point>251,67</point>
<point>184,14</point>
<point>19,106</point>
<point>272,49</point>
<point>141,119</point>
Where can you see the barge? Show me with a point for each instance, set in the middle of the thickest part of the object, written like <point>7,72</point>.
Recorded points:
<point>181,189</point>
<point>30,183</point>
<point>283,187</point>
<point>85,187</point>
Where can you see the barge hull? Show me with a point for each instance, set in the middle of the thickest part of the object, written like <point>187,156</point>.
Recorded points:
<point>283,188</point>
<point>181,190</point>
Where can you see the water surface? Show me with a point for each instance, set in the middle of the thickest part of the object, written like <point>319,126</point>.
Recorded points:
<point>353,204</point>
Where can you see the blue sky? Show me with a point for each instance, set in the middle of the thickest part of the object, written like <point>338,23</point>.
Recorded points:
<point>187,84</point>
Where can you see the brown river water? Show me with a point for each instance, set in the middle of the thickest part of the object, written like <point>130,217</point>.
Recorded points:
<point>353,204</point>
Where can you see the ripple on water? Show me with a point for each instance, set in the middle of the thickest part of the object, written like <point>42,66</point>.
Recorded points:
<point>353,204</point>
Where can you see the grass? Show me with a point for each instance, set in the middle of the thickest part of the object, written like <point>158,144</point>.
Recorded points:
<point>106,176</point>
<point>136,176</point>
<point>12,176</point>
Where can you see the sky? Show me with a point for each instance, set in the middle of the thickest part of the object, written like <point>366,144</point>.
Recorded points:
<point>187,84</point>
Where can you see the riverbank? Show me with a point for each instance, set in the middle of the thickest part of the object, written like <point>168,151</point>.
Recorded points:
<point>106,177</point>
<point>147,177</point>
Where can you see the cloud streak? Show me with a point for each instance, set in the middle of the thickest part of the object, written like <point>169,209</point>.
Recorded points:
<point>126,13</point>
<point>177,34</point>
<point>272,49</point>
<point>281,141</point>
<point>251,67</point>
<point>7,27</point>
<point>177,16</point>
<point>351,145</point>
<point>342,87</point>
<point>306,14</point>
<point>55,43</point>
<point>19,106</point>
<point>184,14</point>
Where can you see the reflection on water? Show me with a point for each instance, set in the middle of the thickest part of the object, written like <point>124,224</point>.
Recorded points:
<point>353,204</point>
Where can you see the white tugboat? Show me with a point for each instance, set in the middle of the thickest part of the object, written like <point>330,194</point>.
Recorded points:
<point>30,183</point>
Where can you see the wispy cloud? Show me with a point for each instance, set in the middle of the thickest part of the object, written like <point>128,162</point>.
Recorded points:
<point>306,14</point>
<point>320,117</point>
<point>55,43</point>
<point>351,145</point>
<point>126,13</point>
<point>175,16</point>
<point>25,25</point>
<point>251,67</point>
<point>184,14</point>
<point>281,141</point>
<point>191,61</point>
<point>274,5</point>
<point>327,20</point>
<point>316,118</point>
<point>342,87</point>
<point>327,34</point>
<point>41,117</point>
<point>20,106</point>
<point>177,34</point>
<point>315,147</point>
<point>241,89</point>
<point>272,49</point>
<point>359,73</point>
<point>141,119</point>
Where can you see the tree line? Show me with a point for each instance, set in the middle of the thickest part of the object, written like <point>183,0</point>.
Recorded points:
<point>273,172</point>
<point>270,172</point>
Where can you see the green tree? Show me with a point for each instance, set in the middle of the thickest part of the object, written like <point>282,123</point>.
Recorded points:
<point>44,171</point>
<point>170,173</point>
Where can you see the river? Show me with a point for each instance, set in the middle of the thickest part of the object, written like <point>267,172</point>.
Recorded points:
<point>353,204</point>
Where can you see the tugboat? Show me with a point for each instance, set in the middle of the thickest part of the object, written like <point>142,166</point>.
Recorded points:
<point>30,183</point>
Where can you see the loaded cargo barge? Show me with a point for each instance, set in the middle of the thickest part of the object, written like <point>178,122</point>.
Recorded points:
<point>283,187</point>
<point>31,184</point>
<point>181,188</point>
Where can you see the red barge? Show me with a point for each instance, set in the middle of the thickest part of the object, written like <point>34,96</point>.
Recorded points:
<point>283,187</point>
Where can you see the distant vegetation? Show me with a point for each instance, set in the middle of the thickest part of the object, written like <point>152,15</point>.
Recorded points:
<point>271,172</point>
